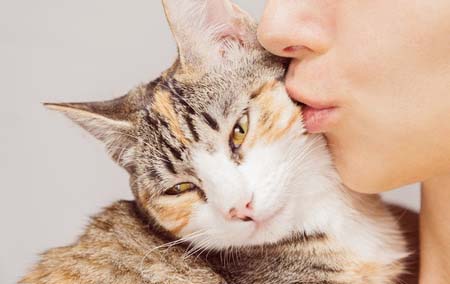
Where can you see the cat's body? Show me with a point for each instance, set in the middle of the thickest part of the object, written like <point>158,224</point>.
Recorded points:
<point>120,246</point>
<point>218,157</point>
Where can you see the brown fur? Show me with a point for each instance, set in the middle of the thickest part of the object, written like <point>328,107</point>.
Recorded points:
<point>152,132</point>
<point>119,247</point>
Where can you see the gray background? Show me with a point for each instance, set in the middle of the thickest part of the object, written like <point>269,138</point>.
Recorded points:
<point>52,174</point>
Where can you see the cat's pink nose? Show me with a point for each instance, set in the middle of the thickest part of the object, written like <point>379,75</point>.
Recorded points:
<point>243,214</point>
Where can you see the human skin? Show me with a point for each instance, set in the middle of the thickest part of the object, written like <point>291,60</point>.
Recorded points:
<point>375,78</point>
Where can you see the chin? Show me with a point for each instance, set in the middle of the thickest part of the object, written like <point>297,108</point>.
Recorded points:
<point>274,231</point>
<point>224,234</point>
<point>362,179</point>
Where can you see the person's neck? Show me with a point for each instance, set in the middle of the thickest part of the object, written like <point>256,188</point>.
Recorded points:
<point>435,231</point>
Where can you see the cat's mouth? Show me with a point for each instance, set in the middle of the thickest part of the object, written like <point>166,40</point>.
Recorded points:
<point>262,223</point>
<point>263,227</point>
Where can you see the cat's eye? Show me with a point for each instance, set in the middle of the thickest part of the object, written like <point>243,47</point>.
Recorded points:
<point>180,188</point>
<point>239,132</point>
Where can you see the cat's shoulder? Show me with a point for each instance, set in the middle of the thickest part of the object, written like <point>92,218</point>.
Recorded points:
<point>93,252</point>
<point>122,215</point>
<point>119,246</point>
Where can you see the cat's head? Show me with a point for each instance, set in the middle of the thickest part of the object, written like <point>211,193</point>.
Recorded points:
<point>216,149</point>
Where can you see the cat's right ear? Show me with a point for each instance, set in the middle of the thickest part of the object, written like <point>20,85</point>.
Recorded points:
<point>204,29</point>
<point>107,121</point>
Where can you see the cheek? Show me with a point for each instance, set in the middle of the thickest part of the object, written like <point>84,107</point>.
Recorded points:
<point>392,77</point>
<point>274,116</point>
<point>175,212</point>
<point>354,160</point>
<point>386,47</point>
<point>369,161</point>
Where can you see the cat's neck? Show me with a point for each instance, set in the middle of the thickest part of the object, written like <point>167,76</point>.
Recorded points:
<point>349,238</point>
<point>360,224</point>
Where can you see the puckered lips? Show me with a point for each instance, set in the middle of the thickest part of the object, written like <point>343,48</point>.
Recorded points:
<point>318,119</point>
<point>318,116</point>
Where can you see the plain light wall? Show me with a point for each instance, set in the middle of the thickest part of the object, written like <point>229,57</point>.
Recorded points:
<point>52,174</point>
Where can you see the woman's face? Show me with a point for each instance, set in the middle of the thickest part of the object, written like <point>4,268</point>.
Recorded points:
<point>375,76</point>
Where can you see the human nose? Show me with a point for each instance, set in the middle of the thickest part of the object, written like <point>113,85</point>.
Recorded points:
<point>294,29</point>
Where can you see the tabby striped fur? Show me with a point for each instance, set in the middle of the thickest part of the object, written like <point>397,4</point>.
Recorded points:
<point>304,226</point>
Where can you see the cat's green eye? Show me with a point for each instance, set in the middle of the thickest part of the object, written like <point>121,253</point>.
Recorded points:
<point>180,188</point>
<point>239,133</point>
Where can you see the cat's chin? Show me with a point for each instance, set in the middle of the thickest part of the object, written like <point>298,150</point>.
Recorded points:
<point>243,240</point>
<point>209,229</point>
<point>248,234</point>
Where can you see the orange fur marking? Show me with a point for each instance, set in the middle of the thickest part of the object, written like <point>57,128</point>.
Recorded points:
<point>281,132</point>
<point>270,116</point>
<point>175,210</point>
<point>269,125</point>
<point>163,105</point>
<point>265,88</point>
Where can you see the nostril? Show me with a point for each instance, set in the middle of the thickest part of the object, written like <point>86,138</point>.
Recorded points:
<point>296,51</point>
<point>234,214</point>
<point>246,219</point>
<point>292,48</point>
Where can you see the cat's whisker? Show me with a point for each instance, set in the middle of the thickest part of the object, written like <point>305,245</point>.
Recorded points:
<point>193,246</point>
<point>191,252</point>
<point>232,252</point>
<point>188,249</point>
<point>300,154</point>
<point>227,256</point>
<point>170,244</point>
<point>206,247</point>
<point>203,244</point>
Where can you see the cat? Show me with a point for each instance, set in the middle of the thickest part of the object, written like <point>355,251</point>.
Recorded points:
<point>228,185</point>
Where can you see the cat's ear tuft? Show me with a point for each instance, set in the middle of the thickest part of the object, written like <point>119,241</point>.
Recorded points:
<point>94,117</point>
<point>105,121</point>
<point>206,27</point>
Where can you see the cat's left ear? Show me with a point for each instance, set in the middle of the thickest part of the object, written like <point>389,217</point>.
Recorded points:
<point>108,121</point>
<point>205,29</point>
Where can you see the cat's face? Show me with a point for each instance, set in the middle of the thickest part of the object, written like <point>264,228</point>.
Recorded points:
<point>216,149</point>
<point>226,166</point>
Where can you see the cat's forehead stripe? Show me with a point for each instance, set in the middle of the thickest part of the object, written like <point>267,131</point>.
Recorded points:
<point>191,126</point>
<point>169,165</point>
<point>177,93</point>
<point>212,122</point>
<point>175,152</point>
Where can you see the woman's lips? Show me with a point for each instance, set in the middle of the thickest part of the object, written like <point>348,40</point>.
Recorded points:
<point>318,114</point>
<point>318,119</point>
